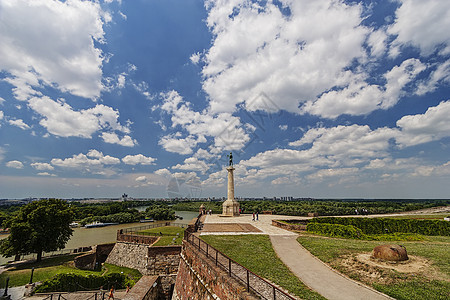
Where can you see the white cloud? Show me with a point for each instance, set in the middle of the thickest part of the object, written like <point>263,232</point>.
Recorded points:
<point>359,97</point>
<point>42,166</point>
<point>83,162</point>
<point>283,127</point>
<point>163,172</point>
<point>192,164</point>
<point>113,138</point>
<point>46,174</point>
<point>440,75</point>
<point>141,178</point>
<point>15,164</point>
<point>433,125</point>
<point>94,154</point>
<point>1,115</point>
<point>257,50</point>
<point>35,51</point>
<point>227,130</point>
<point>195,58</point>
<point>19,123</point>
<point>2,100</point>
<point>138,159</point>
<point>423,24</point>
<point>60,119</point>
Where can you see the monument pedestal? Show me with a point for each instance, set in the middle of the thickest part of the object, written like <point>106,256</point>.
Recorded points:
<point>230,208</point>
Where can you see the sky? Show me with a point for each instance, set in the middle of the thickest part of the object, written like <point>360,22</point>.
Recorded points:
<point>322,99</point>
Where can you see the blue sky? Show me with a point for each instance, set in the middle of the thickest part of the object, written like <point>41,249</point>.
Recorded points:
<point>314,98</point>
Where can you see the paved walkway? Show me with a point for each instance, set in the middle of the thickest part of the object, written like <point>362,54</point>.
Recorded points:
<point>309,269</point>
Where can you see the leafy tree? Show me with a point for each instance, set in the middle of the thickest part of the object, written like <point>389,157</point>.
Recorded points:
<point>38,226</point>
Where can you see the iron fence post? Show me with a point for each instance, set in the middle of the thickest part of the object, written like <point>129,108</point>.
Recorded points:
<point>248,282</point>
<point>229,267</point>
<point>274,295</point>
<point>207,250</point>
<point>217,253</point>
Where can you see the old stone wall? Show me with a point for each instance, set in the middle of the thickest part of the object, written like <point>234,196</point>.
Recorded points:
<point>199,278</point>
<point>95,256</point>
<point>129,255</point>
<point>292,227</point>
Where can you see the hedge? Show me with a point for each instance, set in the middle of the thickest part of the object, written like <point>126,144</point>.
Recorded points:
<point>335,230</point>
<point>387,226</point>
<point>70,282</point>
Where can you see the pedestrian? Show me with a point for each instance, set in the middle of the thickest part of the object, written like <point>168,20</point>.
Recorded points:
<point>128,289</point>
<point>111,293</point>
<point>257,215</point>
<point>253,218</point>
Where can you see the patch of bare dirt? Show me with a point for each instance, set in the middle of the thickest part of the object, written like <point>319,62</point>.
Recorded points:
<point>229,227</point>
<point>369,270</point>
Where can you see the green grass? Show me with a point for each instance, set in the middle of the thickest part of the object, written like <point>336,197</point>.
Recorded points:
<point>49,267</point>
<point>401,285</point>
<point>255,252</point>
<point>422,217</point>
<point>167,233</point>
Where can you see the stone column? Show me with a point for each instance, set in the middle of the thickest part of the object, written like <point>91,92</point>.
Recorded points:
<point>230,192</point>
<point>230,208</point>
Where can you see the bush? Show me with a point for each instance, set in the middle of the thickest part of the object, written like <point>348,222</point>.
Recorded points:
<point>70,282</point>
<point>388,226</point>
<point>335,230</point>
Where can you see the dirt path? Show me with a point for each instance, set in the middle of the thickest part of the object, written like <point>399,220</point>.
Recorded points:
<point>317,275</point>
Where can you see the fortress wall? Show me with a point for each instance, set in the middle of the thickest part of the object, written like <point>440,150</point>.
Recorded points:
<point>129,255</point>
<point>199,278</point>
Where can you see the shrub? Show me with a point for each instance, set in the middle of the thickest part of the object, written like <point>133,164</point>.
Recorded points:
<point>387,226</point>
<point>335,230</point>
<point>70,282</point>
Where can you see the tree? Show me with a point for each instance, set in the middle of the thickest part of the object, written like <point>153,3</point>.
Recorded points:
<point>38,226</point>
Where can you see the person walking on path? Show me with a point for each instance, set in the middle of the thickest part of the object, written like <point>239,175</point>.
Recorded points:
<point>253,218</point>
<point>111,293</point>
<point>257,215</point>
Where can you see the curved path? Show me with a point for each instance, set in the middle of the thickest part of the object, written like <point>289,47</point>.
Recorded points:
<point>317,275</point>
<point>309,269</point>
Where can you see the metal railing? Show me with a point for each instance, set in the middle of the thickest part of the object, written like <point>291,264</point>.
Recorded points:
<point>250,280</point>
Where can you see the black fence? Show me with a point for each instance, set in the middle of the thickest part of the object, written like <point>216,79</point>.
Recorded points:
<point>250,280</point>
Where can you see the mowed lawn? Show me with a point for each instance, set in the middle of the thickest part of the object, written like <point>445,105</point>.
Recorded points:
<point>255,252</point>
<point>434,283</point>
<point>49,267</point>
<point>169,235</point>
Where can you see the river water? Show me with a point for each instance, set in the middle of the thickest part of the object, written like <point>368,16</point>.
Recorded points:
<point>83,237</point>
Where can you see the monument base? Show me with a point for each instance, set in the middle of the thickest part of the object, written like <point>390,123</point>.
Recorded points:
<point>230,208</point>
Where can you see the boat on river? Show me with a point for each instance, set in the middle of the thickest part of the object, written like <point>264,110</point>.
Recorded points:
<point>98,224</point>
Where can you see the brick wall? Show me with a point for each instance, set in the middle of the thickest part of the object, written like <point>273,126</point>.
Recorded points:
<point>199,278</point>
<point>163,260</point>
<point>147,288</point>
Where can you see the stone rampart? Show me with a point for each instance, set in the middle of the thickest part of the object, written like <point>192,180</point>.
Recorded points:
<point>96,256</point>
<point>163,260</point>
<point>147,288</point>
<point>199,278</point>
<point>129,255</point>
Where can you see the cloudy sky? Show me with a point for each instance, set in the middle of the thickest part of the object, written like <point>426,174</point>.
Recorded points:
<point>147,97</point>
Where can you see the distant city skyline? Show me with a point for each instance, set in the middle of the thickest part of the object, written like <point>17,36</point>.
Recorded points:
<point>320,99</point>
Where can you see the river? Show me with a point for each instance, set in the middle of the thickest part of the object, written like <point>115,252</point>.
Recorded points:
<point>83,237</point>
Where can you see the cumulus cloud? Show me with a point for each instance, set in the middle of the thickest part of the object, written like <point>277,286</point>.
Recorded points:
<point>359,97</point>
<point>258,49</point>
<point>15,164</point>
<point>113,138</point>
<point>94,162</point>
<point>423,24</point>
<point>42,166</point>
<point>141,178</point>
<point>433,125</point>
<point>60,119</point>
<point>138,159</point>
<point>34,51</point>
<point>46,174</point>
<point>192,164</point>
<point>19,123</point>
<point>228,131</point>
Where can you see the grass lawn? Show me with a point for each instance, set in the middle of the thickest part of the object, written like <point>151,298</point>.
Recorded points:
<point>170,235</point>
<point>433,283</point>
<point>422,217</point>
<point>49,267</point>
<point>255,252</point>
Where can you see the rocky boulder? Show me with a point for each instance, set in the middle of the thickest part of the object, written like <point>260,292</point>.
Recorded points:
<point>390,252</point>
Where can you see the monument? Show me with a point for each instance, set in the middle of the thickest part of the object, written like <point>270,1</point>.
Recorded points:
<point>230,208</point>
